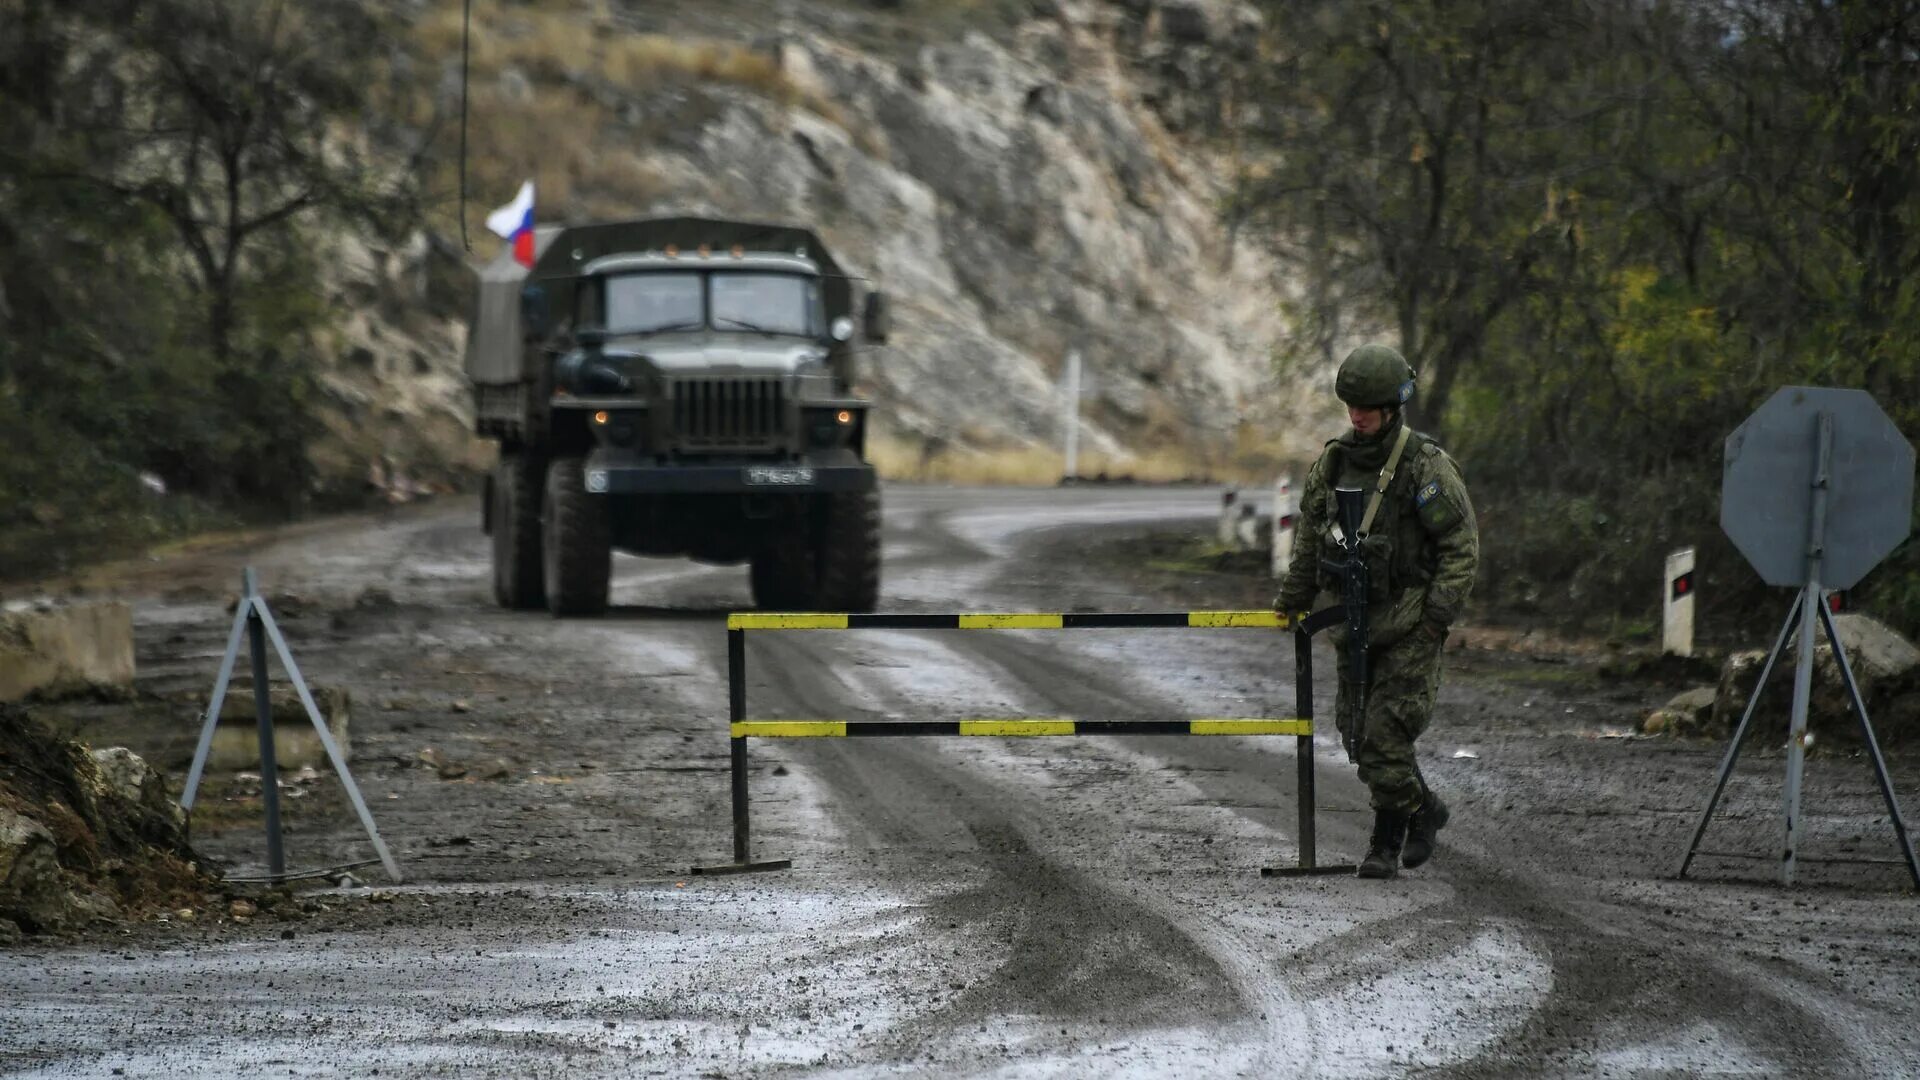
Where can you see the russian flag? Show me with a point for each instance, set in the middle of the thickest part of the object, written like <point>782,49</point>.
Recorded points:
<point>514,224</point>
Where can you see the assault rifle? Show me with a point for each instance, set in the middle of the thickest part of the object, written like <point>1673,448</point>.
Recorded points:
<point>1355,582</point>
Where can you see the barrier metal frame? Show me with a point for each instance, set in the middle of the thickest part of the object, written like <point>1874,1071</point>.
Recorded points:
<point>740,729</point>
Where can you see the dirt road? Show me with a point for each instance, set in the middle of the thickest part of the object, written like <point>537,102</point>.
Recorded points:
<point>1012,907</point>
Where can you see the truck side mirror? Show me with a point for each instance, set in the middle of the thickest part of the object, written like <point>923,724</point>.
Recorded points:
<point>879,317</point>
<point>533,312</point>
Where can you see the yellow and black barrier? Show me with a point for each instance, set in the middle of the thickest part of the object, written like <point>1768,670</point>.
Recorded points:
<point>1018,620</point>
<point>816,729</point>
<point>741,729</point>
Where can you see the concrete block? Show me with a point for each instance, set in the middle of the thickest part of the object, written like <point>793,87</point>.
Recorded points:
<point>236,742</point>
<point>65,649</point>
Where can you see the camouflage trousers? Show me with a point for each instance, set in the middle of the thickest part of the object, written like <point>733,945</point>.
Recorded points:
<point>1405,679</point>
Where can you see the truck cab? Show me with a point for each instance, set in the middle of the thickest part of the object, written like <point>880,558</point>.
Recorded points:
<point>692,396</point>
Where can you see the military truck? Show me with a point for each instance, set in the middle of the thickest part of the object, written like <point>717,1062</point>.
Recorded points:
<point>676,387</point>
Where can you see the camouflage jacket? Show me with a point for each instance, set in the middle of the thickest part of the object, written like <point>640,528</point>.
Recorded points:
<point>1428,521</point>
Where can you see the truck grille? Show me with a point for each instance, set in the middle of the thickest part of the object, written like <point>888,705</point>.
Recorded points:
<point>727,412</point>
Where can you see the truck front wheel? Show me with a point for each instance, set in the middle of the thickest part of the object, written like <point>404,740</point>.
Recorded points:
<point>513,519</point>
<point>576,542</point>
<point>782,575</point>
<point>850,551</point>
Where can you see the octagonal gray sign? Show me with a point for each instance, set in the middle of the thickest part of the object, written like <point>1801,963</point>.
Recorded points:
<point>1767,494</point>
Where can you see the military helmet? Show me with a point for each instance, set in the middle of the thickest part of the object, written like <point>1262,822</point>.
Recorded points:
<point>1374,377</point>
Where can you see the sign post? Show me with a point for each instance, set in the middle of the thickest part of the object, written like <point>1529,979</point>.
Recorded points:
<point>1818,488</point>
<point>1070,416</point>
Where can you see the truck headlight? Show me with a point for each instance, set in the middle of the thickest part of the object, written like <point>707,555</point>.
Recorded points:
<point>831,427</point>
<point>615,428</point>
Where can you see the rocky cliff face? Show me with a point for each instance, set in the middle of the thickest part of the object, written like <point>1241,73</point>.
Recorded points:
<point>1022,183</point>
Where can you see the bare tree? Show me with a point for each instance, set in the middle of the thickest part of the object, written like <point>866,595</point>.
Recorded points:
<point>163,164</point>
<point>228,121</point>
<point>1409,168</point>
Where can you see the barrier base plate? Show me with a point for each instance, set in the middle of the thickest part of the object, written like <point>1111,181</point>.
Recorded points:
<point>744,867</point>
<point>1310,871</point>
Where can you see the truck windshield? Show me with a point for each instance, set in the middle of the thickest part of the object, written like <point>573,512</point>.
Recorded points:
<point>770,303</point>
<point>648,303</point>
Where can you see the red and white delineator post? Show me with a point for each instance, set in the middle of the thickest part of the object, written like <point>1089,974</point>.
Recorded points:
<point>1286,512</point>
<point>1676,623</point>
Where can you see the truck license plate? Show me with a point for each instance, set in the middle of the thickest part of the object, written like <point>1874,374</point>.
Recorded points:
<point>779,476</point>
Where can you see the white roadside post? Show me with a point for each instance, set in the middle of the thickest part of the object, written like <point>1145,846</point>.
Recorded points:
<point>1070,412</point>
<point>1284,512</point>
<point>1228,501</point>
<point>1246,531</point>
<point>1676,623</point>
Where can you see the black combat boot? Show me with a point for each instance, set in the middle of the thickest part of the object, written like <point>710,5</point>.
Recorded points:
<point>1383,856</point>
<point>1421,827</point>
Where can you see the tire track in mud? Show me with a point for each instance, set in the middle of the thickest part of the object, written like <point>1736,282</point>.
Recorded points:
<point>1613,977</point>
<point>1074,949</point>
<point>1606,978</point>
<point>973,869</point>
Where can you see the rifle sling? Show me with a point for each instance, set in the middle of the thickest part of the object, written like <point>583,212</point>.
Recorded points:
<point>1386,477</point>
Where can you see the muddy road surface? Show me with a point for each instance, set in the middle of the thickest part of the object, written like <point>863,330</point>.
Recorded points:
<point>999,907</point>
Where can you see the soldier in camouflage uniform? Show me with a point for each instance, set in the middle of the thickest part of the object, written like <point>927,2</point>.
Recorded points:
<point>1423,548</point>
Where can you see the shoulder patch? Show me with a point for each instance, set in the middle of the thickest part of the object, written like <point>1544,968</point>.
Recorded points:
<point>1431,447</point>
<point>1427,494</point>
